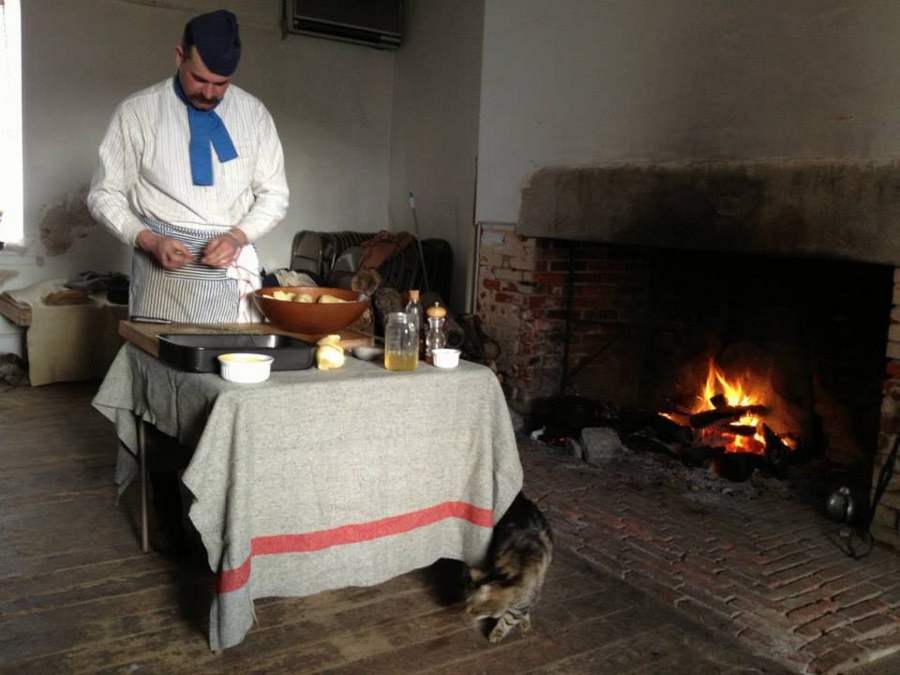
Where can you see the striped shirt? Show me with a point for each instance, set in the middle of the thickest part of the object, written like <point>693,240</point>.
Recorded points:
<point>144,168</point>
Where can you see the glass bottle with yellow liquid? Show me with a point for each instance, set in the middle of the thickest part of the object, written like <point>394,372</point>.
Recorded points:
<point>401,343</point>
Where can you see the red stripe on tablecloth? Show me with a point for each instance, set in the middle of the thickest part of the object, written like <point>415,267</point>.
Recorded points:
<point>233,579</point>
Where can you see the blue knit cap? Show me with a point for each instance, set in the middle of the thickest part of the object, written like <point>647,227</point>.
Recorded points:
<point>216,37</point>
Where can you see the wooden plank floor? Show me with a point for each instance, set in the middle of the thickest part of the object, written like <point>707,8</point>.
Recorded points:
<point>78,596</point>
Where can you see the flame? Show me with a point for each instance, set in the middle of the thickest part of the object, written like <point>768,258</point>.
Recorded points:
<point>718,392</point>
<point>733,392</point>
<point>736,393</point>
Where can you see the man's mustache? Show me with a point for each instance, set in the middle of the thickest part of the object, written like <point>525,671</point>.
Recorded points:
<point>205,101</point>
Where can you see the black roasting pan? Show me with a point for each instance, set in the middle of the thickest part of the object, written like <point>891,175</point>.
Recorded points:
<point>196,353</point>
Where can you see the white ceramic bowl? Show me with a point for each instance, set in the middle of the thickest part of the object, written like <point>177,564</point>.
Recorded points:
<point>446,358</point>
<point>368,353</point>
<point>245,368</point>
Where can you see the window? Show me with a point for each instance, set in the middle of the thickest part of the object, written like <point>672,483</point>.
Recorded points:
<point>11,182</point>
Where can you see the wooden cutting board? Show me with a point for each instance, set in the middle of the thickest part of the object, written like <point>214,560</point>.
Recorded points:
<point>143,334</point>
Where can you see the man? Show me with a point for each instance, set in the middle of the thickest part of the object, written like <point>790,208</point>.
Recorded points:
<point>191,170</point>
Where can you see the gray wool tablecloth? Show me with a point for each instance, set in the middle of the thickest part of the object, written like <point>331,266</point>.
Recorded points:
<point>315,480</point>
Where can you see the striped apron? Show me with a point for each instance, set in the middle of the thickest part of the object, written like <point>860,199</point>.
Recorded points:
<point>195,293</point>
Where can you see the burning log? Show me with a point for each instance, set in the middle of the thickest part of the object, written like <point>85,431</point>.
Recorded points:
<point>713,436</point>
<point>729,413</point>
<point>680,418</point>
<point>731,429</point>
<point>742,429</point>
<point>730,437</point>
<point>670,430</point>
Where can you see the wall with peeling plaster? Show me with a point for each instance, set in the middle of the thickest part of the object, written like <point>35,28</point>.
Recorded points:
<point>331,103</point>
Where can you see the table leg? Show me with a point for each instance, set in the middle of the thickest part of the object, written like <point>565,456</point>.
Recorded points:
<point>142,462</point>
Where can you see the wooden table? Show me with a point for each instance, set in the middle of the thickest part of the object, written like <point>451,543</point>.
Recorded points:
<point>314,480</point>
<point>143,334</point>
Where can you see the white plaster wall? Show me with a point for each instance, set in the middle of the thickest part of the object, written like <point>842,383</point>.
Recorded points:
<point>354,143</point>
<point>536,83</point>
<point>331,102</point>
<point>434,142</point>
<point>587,82</point>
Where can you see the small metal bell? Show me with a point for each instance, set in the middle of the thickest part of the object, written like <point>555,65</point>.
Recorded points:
<point>841,505</point>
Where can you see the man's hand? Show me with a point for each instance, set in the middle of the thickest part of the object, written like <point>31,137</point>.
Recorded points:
<point>223,250</point>
<point>170,253</point>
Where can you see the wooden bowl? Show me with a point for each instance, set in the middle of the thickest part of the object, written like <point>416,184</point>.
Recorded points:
<point>311,318</point>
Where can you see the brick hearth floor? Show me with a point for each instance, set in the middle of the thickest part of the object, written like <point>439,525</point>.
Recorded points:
<point>761,565</point>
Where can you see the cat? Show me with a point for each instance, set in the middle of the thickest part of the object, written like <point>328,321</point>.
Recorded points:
<point>518,557</point>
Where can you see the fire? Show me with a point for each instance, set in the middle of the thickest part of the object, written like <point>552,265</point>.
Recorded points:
<point>740,427</point>
<point>733,393</point>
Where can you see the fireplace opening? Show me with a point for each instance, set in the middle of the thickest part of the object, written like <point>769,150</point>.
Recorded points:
<point>640,330</point>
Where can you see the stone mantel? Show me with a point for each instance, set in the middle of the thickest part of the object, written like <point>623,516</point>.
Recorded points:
<point>835,209</point>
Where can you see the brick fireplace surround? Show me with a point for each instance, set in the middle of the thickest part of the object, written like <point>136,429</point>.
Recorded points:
<point>849,211</point>
<point>521,302</point>
<point>523,273</point>
<point>846,210</point>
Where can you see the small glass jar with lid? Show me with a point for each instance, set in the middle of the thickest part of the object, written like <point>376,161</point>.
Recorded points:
<point>435,338</point>
<point>401,343</point>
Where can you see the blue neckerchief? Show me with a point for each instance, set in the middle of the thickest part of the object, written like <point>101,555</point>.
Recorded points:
<point>206,128</point>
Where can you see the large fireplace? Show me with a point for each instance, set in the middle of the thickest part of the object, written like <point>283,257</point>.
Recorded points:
<point>629,285</point>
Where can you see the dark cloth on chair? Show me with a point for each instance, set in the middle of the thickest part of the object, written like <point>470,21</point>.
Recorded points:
<point>382,246</point>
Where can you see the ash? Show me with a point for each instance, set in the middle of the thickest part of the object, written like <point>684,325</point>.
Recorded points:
<point>645,464</point>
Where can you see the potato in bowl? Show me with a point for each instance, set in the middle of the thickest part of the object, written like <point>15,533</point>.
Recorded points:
<point>310,310</point>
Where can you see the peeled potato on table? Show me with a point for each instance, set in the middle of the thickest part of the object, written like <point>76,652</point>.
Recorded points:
<point>329,355</point>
